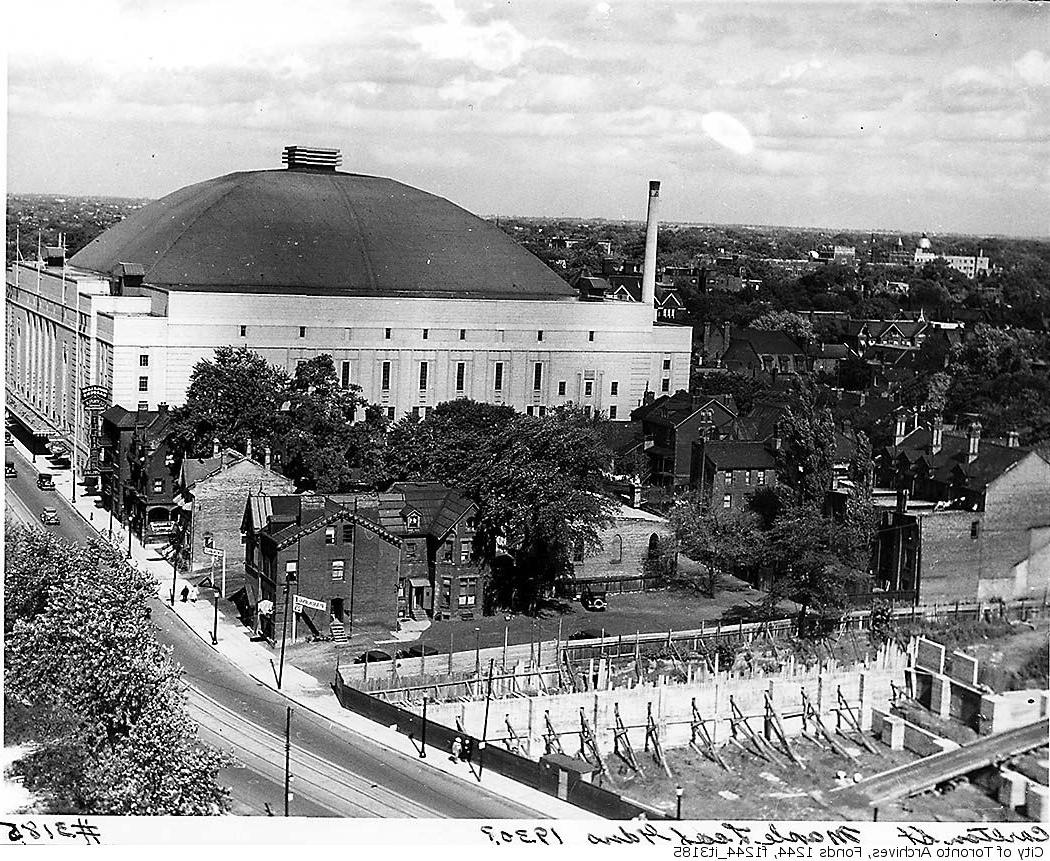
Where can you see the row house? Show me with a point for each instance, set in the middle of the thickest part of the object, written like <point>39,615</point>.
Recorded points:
<point>728,472</point>
<point>370,560</point>
<point>979,514</point>
<point>138,470</point>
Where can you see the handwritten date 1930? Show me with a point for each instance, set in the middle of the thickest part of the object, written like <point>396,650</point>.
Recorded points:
<point>544,836</point>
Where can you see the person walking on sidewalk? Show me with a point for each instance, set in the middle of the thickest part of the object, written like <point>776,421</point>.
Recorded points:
<point>457,746</point>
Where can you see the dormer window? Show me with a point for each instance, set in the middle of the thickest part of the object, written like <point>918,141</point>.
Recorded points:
<point>413,521</point>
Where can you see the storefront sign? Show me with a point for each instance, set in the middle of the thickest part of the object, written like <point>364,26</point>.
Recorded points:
<point>299,601</point>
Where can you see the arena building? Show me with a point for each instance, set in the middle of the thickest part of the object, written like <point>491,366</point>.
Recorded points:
<point>416,300</point>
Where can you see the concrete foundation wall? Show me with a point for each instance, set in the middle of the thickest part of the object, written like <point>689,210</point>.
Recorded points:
<point>671,708</point>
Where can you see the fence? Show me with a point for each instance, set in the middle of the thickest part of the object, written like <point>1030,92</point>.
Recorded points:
<point>537,775</point>
<point>617,585</point>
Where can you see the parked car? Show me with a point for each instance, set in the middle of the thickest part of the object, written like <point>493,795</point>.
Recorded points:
<point>417,651</point>
<point>372,656</point>
<point>594,600</point>
<point>9,469</point>
<point>49,517</point>
<point>45,482</point>
<point>587,634</point>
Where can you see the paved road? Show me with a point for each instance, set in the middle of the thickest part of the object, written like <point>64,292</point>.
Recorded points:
<point>338,772</point>
<point>926,773</point>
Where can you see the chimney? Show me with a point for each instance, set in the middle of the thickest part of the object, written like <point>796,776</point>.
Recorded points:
<point>266,457</point>
<point>776,442</point>
<point>215,447</point>
<point>162,408</point>
<point>902,500</point>
<point>652,220</point>
<point>1013,439</point>
<point>936,429</point>
<point>974,440</point>
<point>248,449</point>
<point>899,429</point>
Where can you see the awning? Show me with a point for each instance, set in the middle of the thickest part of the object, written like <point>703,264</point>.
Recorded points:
<point>28,417</point>
<point>417,582</point>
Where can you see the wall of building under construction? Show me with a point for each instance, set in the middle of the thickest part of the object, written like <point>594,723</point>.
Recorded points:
<point>835,693</point>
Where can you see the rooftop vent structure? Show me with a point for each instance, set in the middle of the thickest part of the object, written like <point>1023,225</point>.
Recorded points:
<point>311,158</point>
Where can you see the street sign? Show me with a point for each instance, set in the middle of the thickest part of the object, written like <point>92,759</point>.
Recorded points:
<point>211,551</point>
<point>300,601</point>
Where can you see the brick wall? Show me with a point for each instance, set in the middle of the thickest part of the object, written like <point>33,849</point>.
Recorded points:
<point>635,534</point>
<point>951,559</point>
<point>218,508</point>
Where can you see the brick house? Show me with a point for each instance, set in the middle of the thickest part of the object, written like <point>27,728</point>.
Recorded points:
<point>623,548</point>
<point>346,566</point>
<point>728,472</point>
<point>672,424</point>
<point>441,578</point>
<point>138,470</point>
<point>979,516</point>
<point>752,351</point>
<point>210,496</point>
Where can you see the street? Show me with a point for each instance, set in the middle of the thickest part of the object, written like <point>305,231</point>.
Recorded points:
<point>337,772</point>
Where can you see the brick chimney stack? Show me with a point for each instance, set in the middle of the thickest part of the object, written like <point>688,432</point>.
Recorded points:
<point>974,440</point>
<point>1013,439</point>
<point>248,449</point>
<point>900,427</point>
<point>936,431</point>
<point>266,457</point>
<point>215,447</point>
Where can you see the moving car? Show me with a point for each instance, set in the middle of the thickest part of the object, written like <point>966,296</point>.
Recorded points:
<point>49,517</point>
<point>9,469</point>
<point>45,481</point>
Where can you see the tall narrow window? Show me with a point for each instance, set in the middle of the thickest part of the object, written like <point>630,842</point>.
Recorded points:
<point>143,359</point>
<point>590,335</point>
<point>244,331</point>
<point>539,335</point>
<point>561,388</point>
<point>665,385</point>
<point>462,334</point>
<point>143,384</point>
<point>426,334</point>
<point>385,386</point>
<point>386,334</point>
<point>537,376</point>
<point>461,376</point>
<point>612,412</point>
<point>302,331</point>
<point>498,384</point>
<point>338,567</point>
<point>346,375</point>
<point>423,368</point>
<point>588,388</point>
<point>614,389</point>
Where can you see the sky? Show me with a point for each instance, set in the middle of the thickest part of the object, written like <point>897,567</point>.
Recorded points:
<point>912,116</point>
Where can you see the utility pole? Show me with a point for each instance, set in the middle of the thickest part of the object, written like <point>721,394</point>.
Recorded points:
<point>215,623</point>
<point>289,580</point>
<point>287,759</point>
<point>485,726</point>
<point>423,741</point>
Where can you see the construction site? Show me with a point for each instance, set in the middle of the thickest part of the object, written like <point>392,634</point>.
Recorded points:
<point>736,721</point>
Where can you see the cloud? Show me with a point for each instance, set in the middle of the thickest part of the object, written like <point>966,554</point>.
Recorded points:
<point>726,130</point>
<point>494,45</point>
<point>1034,69</point>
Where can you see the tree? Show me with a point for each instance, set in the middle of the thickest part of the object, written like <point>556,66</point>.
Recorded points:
<point>322,444</point>
<point>807,457</point>
<point>234,397</point>
<point>795,325</point>
<point>720,543</point>
<point>110,729</point>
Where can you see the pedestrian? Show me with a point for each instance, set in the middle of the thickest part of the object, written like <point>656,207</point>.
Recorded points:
<point>457,746</point>
<point>185,594</point>
<point>194,594</point>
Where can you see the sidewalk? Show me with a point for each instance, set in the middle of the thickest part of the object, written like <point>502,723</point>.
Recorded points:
<point>254,659</point>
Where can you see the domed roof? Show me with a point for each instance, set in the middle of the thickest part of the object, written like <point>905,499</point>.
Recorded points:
<point>320,232</point>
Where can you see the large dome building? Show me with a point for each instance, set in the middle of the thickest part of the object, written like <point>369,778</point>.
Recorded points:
<point>416,300</point>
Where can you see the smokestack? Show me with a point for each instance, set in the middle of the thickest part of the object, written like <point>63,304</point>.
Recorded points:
<point>974,440</point>
<point>652,220</point>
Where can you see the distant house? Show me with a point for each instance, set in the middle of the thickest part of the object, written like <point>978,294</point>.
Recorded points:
<point>727,473</point>
<point>826,358</point>
<point>755,351</point>
<point>671,424</point>
<point>210,497</point>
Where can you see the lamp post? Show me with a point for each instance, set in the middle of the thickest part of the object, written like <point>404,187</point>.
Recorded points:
<point>287,759</point>
<point>477,652</point>
<point>289,581</point>
<point>423,741</point>
<point>678,792</point>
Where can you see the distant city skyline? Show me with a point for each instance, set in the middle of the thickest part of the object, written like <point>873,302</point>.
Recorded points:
<point>855,116</point>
